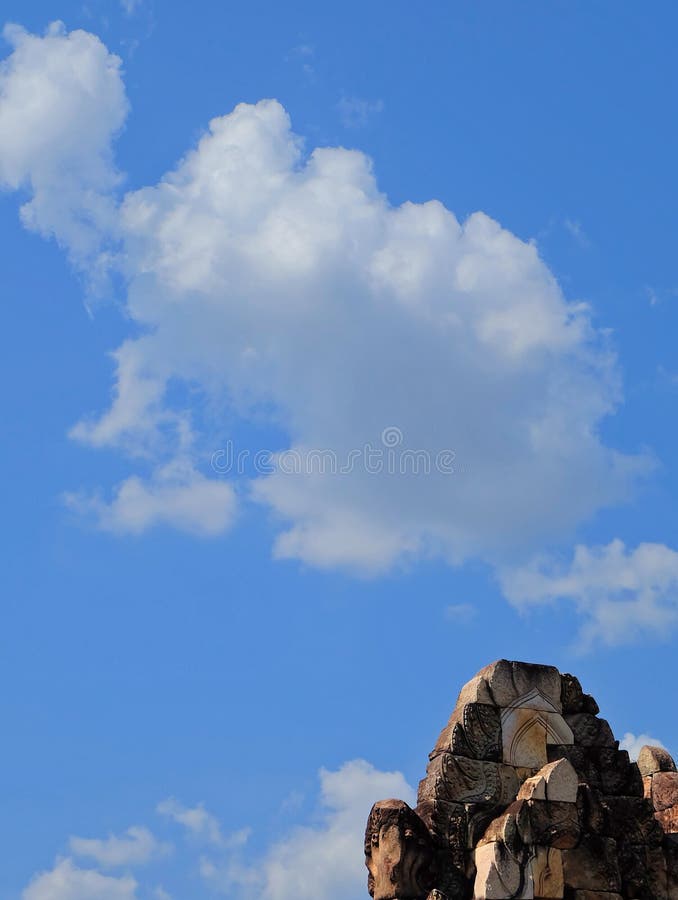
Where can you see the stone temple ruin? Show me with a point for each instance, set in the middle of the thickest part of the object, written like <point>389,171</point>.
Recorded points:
<point>527,795</point>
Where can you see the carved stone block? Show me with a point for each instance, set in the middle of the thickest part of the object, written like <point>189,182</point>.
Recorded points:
<point>557,730</point>
<point>524,738</point>
<point>524,772</point>
<point>591,810</point>
<point>479,817</point>
<point>668,819</point>
<point>474,730</point>
<point>504,829</point>
<point>664,790</point>
<point>555,781</point>
<point>573,698</point>
<point>579,759</point>
<point>647,786</point>
<point>637,862</point>
<point>590,731</point>
<point>525,685</point>
<point>457,779</point>
<point>549,824</point>
<point>614,772</point>
<point>399,852</point>
<point>547,873</point>
<point>499,875</point>
<point>447,824</point>
<point>593,895</point>
<point>477,689</point>
<point>631,819</point>
<point>533,788</point>
<point>671,856</point>
<point>655,759</point>
<point>592,865</point>
<point>659,882</point>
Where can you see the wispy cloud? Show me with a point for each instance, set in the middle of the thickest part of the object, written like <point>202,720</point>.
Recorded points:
<point>577,232</point>
<point>135,847</point>
<point>622,594</point>
<point>303,55</point>
<point>68,882</point>
<point>202,824</point>
<point>461,613</point>
<point>175,495</point>
<point>356,112</point>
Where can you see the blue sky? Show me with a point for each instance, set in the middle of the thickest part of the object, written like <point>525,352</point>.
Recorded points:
<point>235,665</point>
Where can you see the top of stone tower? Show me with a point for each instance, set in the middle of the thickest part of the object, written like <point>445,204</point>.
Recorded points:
<point>528,795</point>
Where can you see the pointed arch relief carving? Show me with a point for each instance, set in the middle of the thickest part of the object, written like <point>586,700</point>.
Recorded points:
<point>527,731</point>
<point>524,738</point>
<point>534,699</point>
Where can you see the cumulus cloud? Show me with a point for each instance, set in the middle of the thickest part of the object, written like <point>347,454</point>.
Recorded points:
<point>137,846</point>
<point>62,100</point>
<point>67,882</point>
<point>323,860</point>
<point>320,858</point>
<point>176,495</point>
<point>200,823</point>
<point>620,592</point>
<point>634,743</point>
<point>288,282</point>
<point>281,285</point>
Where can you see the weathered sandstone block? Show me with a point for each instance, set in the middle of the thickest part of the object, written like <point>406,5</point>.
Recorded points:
<point>474,730</point>
<point>555,781</point>
<point>590,731</point>
<point>462,780</point>
<point>547,873</point>
<point>655,759</point>
<point>499,874</point>
<point>573,699</point>
<point>592,865</point>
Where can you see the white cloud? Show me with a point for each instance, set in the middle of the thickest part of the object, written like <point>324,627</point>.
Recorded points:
<point>577,232</point>
<point>137,846</point>
<point>176,495</point>
<point>196,819</point>
<point>303,54</point>
<point>62,101</point>
<point>621,593</point>
<point>67,882</point>
<point>634,743</point>
<point>356,112</point>
<point>323,860</point>
<point>461,613</point>
<point>161,894</point>
<point>284,286</point>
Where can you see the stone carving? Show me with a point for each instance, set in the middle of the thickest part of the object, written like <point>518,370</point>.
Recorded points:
<point>474,730</point>
<point>399,853</point>
<point>527,795</point>
<point>459,779</point>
